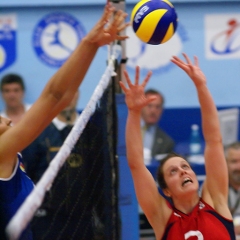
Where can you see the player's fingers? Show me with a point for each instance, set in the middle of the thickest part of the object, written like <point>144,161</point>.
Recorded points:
<point>147,78</point>
<point>178,59</point>
<point>122,37</point>
<point>196,61</point>
<point>127,78</point>
<point>187,58</point>
<point>123,26</point>
<point>179,63</point>
<point>108,10</point>
<point>137,72</point>
<point>150,99</point>
<point>122,86</point>
<point>119,18</point>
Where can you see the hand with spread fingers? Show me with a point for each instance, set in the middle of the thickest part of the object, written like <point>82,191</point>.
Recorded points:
<point>108,27</point>
<point>134,94</point>
<point>193,70</point>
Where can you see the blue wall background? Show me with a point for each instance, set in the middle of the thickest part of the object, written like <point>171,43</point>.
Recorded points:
<point>223,75</point>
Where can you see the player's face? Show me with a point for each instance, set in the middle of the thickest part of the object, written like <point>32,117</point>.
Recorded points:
<point>4,124</point>
<point>233,163</point>
<point>153,111</point>
<point>179,177</point>
<point>12,94</point>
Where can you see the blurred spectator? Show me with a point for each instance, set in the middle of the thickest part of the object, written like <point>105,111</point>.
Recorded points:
<point>155,140</point>
<point>38,155</point>
<point>232,154</point>
<point>13,90</point>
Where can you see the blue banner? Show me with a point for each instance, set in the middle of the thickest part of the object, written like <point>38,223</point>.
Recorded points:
<point>7,40</point>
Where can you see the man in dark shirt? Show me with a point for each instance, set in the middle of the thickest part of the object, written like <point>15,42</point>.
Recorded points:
<point>155,140</point>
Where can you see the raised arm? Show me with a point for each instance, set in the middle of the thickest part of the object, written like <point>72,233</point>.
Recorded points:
<point>61,88</point>
<point>216,184</point>
<point>145,187</point>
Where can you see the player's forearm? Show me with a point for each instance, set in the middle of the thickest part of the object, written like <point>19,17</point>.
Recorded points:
<point>210,122</point>
<point>134,140</point>
<point>71,74</point>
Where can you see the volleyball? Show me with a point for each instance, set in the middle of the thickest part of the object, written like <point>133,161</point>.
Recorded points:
<point>154,21</point>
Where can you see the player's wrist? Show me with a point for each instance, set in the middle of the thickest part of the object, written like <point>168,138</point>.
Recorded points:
<point>88,42</point>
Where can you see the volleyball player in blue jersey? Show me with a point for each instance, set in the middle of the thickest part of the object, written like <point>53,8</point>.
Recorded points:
<point>15,186</point>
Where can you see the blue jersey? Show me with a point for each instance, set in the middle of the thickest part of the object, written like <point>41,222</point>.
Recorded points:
<point>13,192</point>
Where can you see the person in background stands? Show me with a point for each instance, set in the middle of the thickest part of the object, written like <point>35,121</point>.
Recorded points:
<point>13,89</point>
<point>155,140</point>
<point>232,154</point>
<point>37,156</point>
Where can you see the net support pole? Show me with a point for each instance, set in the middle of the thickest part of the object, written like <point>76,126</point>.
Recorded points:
<point>121,5</point>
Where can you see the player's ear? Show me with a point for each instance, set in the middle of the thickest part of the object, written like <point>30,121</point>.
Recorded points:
<point>167,192</point>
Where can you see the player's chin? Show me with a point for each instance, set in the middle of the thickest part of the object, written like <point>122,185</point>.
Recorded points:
<point>191,187</point>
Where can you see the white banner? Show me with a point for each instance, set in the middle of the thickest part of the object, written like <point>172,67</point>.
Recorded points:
<point>222,36</point>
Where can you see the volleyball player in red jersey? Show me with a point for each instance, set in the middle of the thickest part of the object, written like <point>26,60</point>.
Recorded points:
<point>188,216</point>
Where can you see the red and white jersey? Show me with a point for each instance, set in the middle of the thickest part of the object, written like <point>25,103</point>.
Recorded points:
<point>203,223</point>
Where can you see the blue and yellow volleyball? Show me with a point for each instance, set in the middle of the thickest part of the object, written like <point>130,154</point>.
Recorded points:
<point>154,21</point>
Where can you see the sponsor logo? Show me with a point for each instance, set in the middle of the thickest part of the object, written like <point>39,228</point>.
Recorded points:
<point>222,36</point>
<point>140,13</point>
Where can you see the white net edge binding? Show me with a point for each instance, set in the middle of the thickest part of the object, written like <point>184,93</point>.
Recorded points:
<point>25,213</point>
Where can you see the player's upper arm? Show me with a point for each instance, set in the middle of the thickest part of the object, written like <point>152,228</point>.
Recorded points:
<point>152,203</point>
<point>216,172</point>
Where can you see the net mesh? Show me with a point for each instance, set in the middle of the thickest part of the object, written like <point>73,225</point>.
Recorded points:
<point>82,202</point>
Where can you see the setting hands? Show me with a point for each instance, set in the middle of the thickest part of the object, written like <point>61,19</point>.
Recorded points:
<point>193,70</point>
<point>134,94</point>
<point>106,30</point>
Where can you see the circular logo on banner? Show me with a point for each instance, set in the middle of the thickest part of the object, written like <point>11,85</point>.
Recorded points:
<point>55,37</point>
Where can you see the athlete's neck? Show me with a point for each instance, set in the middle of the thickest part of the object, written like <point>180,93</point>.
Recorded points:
<point>186,205</point>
